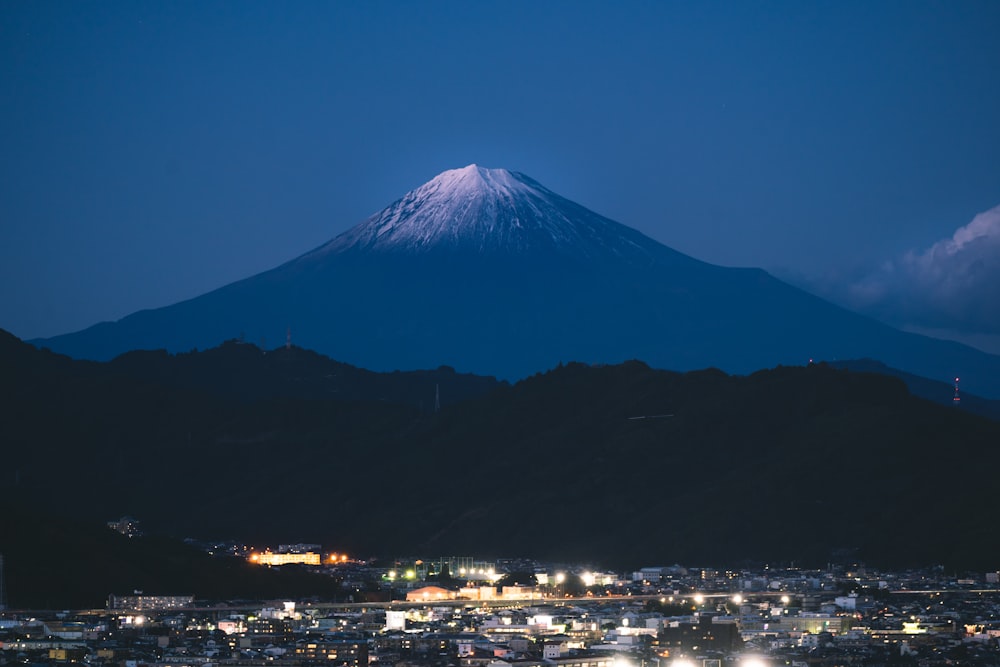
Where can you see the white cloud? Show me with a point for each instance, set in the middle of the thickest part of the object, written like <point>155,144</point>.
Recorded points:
<point>956,282</point>
<point>952,286</point>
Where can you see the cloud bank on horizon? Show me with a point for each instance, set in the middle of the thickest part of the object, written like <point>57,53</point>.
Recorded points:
<point>949,290</point>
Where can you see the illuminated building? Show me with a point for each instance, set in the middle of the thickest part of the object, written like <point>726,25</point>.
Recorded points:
<point>149,601</point>
<point>518,593</point>
<point>705,634</point>
<point>270,627</point>
<point>459,567</point>
<point>430,593</point>
<point>232,626</point>
<point>345,652</point>
<point>270,558</point>
<point>478,592</point>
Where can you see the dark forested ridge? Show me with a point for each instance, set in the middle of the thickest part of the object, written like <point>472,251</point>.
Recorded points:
<point>243,371</point>
<point>932,390</point>
<point>52,562</point>
<point>619,464</point>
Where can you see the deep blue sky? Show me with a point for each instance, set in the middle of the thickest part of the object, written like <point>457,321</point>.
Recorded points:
<point>154,151</point>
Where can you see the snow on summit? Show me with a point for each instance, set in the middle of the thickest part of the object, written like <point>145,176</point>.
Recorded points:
<point>489,211</point>
<point>474,180</point>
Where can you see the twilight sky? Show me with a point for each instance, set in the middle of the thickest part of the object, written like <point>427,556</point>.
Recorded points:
<point>154,151</point>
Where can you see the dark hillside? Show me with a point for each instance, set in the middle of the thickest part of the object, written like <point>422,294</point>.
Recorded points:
<point>618,464</point>
<point>246,372</point>
<point>786,464</point>
<point>933,390</point>
<point>54,563</point>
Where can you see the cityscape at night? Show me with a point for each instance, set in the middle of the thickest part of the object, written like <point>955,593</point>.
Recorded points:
<point>676,324</point>
<point>525,613</point>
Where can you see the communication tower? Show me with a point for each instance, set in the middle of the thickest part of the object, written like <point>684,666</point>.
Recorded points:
<point>958,399</point>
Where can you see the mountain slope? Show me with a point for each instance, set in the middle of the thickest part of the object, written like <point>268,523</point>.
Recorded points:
<point>489,272</point>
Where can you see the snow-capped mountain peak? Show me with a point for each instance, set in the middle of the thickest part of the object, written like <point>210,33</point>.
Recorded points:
<point>474,180</point>
<point>489,211</point>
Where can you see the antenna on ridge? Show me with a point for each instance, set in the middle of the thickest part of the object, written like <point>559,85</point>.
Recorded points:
<point>958,399</point>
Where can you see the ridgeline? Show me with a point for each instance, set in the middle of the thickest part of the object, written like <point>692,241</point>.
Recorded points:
<point>622,465</point>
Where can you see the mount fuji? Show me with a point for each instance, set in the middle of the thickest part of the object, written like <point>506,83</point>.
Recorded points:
<point>490,272</point>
